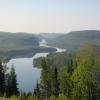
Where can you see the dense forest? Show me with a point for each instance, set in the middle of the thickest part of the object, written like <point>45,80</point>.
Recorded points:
<point>75,39</point>
<point>20,45</point>
<point>65,76</point>
<point>27,44</point>
<point>75,76</point>
<point>17,41</point>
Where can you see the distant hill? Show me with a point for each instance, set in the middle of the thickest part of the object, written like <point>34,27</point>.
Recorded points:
<point>75,39</point>
<point>12,41</point>
<point>20,45</point>
<point>49,36</point>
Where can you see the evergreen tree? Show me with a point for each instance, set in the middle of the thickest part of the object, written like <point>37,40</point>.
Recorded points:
<point>70,67</point>
<point>65,82</point>
<point>54,82</point>
<point>8,85</point>
<point>84,83</point>
<point>13,82</point>
<point>2,79</point>
<point>37,91</point>
<point>45,79</point>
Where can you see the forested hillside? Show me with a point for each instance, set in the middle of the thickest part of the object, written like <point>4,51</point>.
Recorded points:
<point>19,41</point>
<point>55,59</point>
<point>71,76</point>
<point>76,39</point>
<point>20,45</point>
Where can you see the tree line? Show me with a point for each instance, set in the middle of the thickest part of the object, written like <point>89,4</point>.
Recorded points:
<point>8,81</point>
<point>79,79</point>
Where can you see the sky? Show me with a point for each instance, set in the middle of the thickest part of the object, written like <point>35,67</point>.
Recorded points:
<point>48,16</point>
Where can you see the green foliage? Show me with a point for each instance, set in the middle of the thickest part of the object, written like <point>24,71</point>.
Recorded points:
<point>11,87</point>
<point>75,39</point>
<point>85,86</point>
<point>78,79</point>
<point>55,59</point>
<point>62,97</point>
<point>31,98</point>
<point>65,82</point>
<point>37,91</point>
<point>54,82</point>
<point>20,44</point>
<point>70,66</point>
<point>8,81</point>
<point>45,79</point>
<point>14,98</point>
<point>2,79</point>
<point>23,98</point>
<point>19,41</point>
<point>53,98</point>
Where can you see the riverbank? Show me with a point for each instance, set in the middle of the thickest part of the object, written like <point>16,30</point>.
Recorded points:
<point>27,73</point>
<point>26,53</point>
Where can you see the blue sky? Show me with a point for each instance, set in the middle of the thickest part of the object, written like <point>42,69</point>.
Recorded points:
<point>37,16</point>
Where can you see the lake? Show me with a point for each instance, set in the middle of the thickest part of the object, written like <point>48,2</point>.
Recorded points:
<point>27,73</point>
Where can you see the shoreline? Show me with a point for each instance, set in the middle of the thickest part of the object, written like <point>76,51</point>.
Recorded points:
<point>26,53</point>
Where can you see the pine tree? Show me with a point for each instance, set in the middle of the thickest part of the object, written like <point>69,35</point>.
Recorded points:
<point>2,79</point>
<point>65,82</point>
<point>13,82</point>
<point>70,66</point>
<point>45,80</point>
<point>54,82</point>
<point>37,91</point>
<point>84,82</point>
<point>8,85</point>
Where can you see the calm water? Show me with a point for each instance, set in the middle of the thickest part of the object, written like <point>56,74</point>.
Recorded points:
<point>27,74</point>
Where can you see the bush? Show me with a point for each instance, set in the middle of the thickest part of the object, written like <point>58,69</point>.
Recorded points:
<point>53,98</point>
<point>62,97</point>
<point>15,98</point>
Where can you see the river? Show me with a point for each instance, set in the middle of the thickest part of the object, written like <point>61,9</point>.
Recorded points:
<point>27,73</point>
